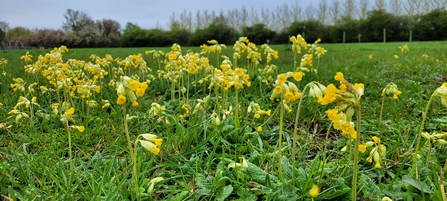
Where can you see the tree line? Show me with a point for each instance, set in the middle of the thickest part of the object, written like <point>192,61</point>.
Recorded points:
<point>340,21</point>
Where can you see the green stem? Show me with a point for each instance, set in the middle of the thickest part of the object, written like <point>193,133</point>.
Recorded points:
<point>281,125</point>
<point>295,132</point>
<point>424,117</point>
<point>381,111</point>
<point>356,155</point>
<point>70,155</point>
<point>237,124</point>
<point>132,152</point>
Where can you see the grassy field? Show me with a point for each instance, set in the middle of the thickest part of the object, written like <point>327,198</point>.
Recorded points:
<point>276,146</point>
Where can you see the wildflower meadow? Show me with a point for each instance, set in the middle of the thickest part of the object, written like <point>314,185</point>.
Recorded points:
<point>243,121</point>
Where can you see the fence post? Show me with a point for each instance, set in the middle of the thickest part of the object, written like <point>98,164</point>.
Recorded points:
<point>344,36</point>
<point>411,34</point>
<point>360,36</point>
<point>384,35</point>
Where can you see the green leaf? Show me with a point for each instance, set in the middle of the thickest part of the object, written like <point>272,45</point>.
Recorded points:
<point>179,197</point>
<point>224,193</point>
<point>417,184</point>
<point>258,175</point>
<point>368,186</point>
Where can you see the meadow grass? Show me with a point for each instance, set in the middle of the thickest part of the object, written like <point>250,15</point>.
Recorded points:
<point>204,160</point>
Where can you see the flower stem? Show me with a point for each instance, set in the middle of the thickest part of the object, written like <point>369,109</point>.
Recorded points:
<point>381,112</point>
<point>132,152</point>
<point>70,155</point>
<point>424,117</point>
<point>356,155</point>
<point>295,132</point>
<point>237,124</point>
<point>281,125</point>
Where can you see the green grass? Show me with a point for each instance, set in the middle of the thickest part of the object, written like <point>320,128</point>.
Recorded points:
<point>194,158</point>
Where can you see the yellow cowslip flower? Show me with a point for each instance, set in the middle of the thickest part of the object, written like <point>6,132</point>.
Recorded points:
<point>121,100</point>
<point>314,191</point>
<point>298,76</point>
<point>282,78</point>
<point>339,76</point>
<point>362,148</point>
<point>134,104</point>
<point>396,57</point>
<point>70,111</point>
<point>442,92</point>
<point>375,139</point>
<point>259,128</point>
<point>391,88</point>
<point>370,57</point>
<point>378,165</point>
<point>149,145</point>
<point>81,129</point>
<point>329,96</point>
<point>257,116</point>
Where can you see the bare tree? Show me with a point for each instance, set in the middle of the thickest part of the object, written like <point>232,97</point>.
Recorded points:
<point>207,18</point>
<point>173,23</point>
<point>335,11</point>
<point>243,17</point>
<point>283,16</point>
<point>380,5</point>
<point>233,17</point>
<point>265,17</point>
<point>254,17</point>
<point>185,20</point>
<point>396,7</point>
<point>363,9</point>
<point>413,7</point>
<point>322,11</point>
<point>349,8</point>
<point>76,20</point>
<point>296,12</point>
<point>310,12</point>
<point>4,28</point>
<point>198,24</point>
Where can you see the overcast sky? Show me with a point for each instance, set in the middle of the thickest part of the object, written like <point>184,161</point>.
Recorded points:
<point>145,13</point>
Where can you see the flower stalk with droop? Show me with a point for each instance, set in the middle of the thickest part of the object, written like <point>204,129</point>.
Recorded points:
<point>129,89</point>
<point>390,89</point>
<point>287,92</point>
<point>346,98</point>
<point>442,93</point>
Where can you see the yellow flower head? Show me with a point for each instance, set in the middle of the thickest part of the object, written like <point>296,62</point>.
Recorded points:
<point>339,76</point>
<point>314,191</point>
<point>70,111</point>
<point>362,148</point>
<point>259,128</point>
<point>375,139</point>
<point>81,129</point>
<point>121,100</point>
<point>298,76</point>
<point>282,78</point>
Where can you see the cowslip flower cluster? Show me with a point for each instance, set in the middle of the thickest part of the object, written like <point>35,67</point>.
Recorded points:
<point>435,138</point>
<point>442,93</point>
<point>286,90</point>
<point>391,88</point>
<point>404,49</point>
<point>346,97</point>
<point>151,142</point>
<point>257,111</point>
<point>377,153</point>
<point>298,43</point>
<point>130,89</point>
